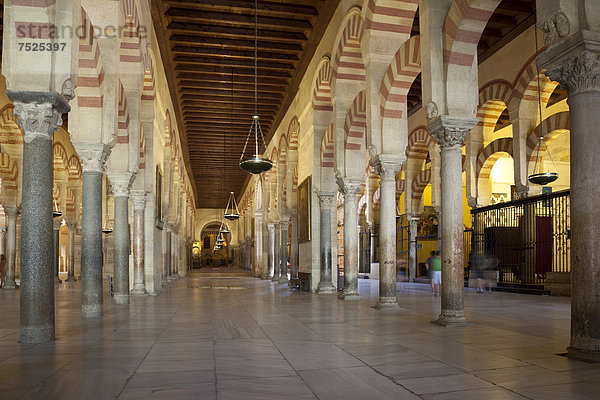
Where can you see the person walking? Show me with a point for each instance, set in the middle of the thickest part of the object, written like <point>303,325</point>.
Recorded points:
<point>437,273</point>
<point>429,266</point>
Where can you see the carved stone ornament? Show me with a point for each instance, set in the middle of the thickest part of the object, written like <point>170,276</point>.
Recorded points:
<point>121,182</point>
<point>352,189</point>
<point>432,110</point>
<point>37,119</point>
<point>92,156</point>
<point>387,171</point>
<point>271,228</point>
<point>450,137</point>
<point>555,28</point>
<point>327,200</point>
<point>68,89</point>
<point>138,198</point>
<point>579,73</point>
<point>450,132</point>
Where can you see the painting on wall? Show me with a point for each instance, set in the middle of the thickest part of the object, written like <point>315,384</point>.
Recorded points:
<point>304,210</point>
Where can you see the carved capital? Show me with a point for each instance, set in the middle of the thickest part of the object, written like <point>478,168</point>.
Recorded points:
<point>327,200</point>
<point>39,113</point>
<point>93,156</point>
<point>138,198</point>
<point>11,212</point>
<point>579,73</point>
<point>450,132</point>
<point>121,182</point>
<point>387,166</point>
<point>72,227</point>
<point>271,228</point>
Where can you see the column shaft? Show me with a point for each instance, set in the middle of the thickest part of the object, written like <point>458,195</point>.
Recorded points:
<point>121,249</point>
<point>284,252</point>
<point>71,258</point>
<point>350,242</point>
<point>11,247</point>
<point>294,250</point>
<point>91,245</point>
<point>56,249</point>
<point>327,200</point>
<point>412,261</point>
<point>276,255</point>
<point>139,288</point>
<point>169,257</point>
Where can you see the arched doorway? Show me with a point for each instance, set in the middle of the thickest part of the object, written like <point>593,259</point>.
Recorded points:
<point>209,256</point>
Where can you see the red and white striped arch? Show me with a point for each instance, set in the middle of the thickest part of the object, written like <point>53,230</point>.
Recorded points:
<point>348,59</point>
<point>56,196</point>
<point>490,154</point>
<point>400,186</point>
<point>70,201</point>
<point>356,124</point>
<point>399,77</point>
<point>273,176</point>
<point>525,86</point>
<point>321,100</point>
<point>328,149</point>
<point>295,179</point>
<point>418,185</point>
<point>123,117</point>
<point>74,167</point>
<point>90,77</point>
<point>557,122</point>
<point>130,47</point>
<point>283,149</point>
<point>391,16</point>
<point>419,142</point>
<point>168,128</point>
<point>10,132</point>
<point>60,157</point>
<point>9,173</point>
<point>293,134</point>
<point>148,90</point>
<point>463,27</point>
<point>494,97</point>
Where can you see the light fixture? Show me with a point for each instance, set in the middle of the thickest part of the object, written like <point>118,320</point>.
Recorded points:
<point>255,164</point>
<point>107,227</point>
<point>538,177</point>
<point>231,210</point>
<point>223,229</point>
<point>55,211</point>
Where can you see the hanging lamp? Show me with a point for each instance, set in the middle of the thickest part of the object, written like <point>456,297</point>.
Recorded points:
<point>107,227</point>
<point>231,210</point>
<point>255,164</point>
<point>55,211</point>
<point>539,177</point>
<point>223,229</point>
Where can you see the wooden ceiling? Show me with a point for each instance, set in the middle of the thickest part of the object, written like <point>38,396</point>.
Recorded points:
<point>208,47</point>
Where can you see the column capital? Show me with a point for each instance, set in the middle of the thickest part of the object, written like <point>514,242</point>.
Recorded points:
<point>450,131</point>
<point>271,227</point>
<point>39,113</point>
<point>285,220</point>
<point>575,62</point>
<point>387,165</point>
<point>56,223</point>
<point>72,226</point>
<point>138,197</point>
<point>121,182</point>
<point>93,156</point>
<point>326,199</point>
<point>11,211</point>
<point>350,187</point>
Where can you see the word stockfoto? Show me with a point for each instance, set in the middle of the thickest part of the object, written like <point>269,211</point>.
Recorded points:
<point>32,30</point>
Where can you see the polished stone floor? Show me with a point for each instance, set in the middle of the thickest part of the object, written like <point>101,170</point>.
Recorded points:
<point>230,336</point>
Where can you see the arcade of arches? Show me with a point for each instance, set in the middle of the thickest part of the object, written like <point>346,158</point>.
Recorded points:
<point>397,124</point>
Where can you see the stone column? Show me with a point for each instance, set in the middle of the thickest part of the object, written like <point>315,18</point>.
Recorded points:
<point>327,202</point>
<point>294,249</point>
<point>39,115</point>
<point>93,157</point>
<point>276,254</point>
<point>138,198</point>
<point>450,133</point>
<point>11,246</point>
<point>55,247</point>
<point>169,254</point>
<point>351,189</point>
<point>575,63</point>
<point>387,166</point>
<point>268,274</point>
<point>175,246</point>
<point>71,258</point>
<point>412,251</point>
<point>164,253</point>
<point>285,223</point>
<point>121,183</point>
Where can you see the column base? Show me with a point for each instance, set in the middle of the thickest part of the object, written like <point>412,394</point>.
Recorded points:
<point>57,280</point>
<point>92,311</point>
<point>387,303</point>
<point>284,280</point>
<point>176,275</point>
<point>349,295</point>
<point>589,356</point>
<point>121,298</point>
<point>451,318</point>
<point>70,279</point>
<point>37,334</point>
<point>326,288</point>
<point>138,291</point>
<point>9,286</point>
<point>275,279</point>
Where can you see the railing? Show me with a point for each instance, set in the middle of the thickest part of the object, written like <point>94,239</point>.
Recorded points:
<point>529,237</point>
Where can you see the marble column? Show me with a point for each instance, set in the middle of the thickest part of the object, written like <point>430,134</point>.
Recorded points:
<point>138,198</point>
<point>121,183</point>
<point>351,189</point>
<point>412,251</point>
<point>285,224</point>
<point>575,63</point>
<point>93,157</point>
<point>11,246</point>
<point>387,166</point>
<point>175,246</point>
<point>294,249</point>
<point>163,249</point>
<point>268,248</point>
<point>169,255</point>
<point>55,247</point>
<point>450,133</point>
<point>39,115</point>
<point>327,203</point>
<point>276,254</point>
<point>71,257</point>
